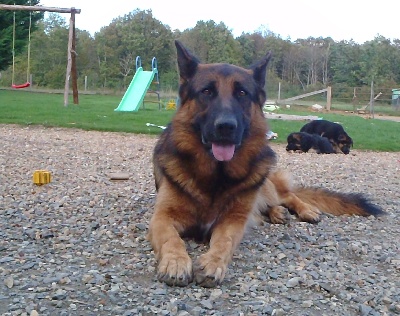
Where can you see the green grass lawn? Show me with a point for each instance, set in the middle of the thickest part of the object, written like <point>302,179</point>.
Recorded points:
<point>96,112</point>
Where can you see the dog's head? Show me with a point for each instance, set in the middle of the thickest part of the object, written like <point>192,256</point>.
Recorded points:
<point>344,143</point>
<point>221,101</point>
<point>294,142</point>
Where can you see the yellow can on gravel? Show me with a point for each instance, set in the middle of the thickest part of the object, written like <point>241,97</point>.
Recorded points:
<point>41,177</point>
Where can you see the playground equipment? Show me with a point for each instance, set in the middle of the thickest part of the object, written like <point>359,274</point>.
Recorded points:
<point>71,63</point>
<point>139,86</point>
<point>27,83</point>
<point>171,105</point>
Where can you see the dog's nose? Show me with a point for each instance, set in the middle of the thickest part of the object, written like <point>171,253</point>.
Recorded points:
<point>225,126</point>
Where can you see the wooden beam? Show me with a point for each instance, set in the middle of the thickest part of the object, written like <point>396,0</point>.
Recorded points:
<point>305,95</point>
<point>74,72</point>
<point>69,61</point>
<point>38,8</point>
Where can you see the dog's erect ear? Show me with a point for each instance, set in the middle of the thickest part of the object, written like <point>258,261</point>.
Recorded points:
<point>259,73</point>
<point>297,136</point>
<point>260,69</point>
<point>187,62</point>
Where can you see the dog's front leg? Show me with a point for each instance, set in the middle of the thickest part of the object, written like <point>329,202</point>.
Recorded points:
<point>210,268</point>
<point>166,225</point>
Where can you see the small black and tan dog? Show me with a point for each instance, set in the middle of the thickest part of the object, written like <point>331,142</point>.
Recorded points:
<point>334,132</point>
<point>304,142</point>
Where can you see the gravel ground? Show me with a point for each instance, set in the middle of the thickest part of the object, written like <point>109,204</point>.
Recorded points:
<point>77,246</point>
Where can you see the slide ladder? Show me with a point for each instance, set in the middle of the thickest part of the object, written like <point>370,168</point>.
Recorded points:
<point>138,87</point>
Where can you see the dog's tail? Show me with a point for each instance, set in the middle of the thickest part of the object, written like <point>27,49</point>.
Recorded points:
<point>337,203</point>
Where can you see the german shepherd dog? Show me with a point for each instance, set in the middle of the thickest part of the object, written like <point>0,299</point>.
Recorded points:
<point>214,170</point>
<point>304,142</point>
<point>335,132</point>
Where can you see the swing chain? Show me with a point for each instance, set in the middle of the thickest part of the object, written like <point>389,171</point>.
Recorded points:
<point>27,84</point>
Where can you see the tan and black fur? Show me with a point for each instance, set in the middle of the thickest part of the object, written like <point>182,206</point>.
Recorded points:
<point>214,170</point>
<point>335,132</point>
<point>300,141</point>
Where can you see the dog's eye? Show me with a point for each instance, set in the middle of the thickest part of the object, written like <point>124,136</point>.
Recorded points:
<point>242,93</point>
<point>207,92</point>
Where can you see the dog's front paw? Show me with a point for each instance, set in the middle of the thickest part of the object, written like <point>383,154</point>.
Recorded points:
<point>309,214</point>
<point>175,270</point>
<point>209,270</point>
<point>278,215</point>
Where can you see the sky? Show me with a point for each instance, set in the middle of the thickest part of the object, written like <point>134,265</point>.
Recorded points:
<point>357,20</point>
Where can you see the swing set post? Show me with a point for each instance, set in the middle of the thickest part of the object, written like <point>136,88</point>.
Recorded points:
<point>71,64</point>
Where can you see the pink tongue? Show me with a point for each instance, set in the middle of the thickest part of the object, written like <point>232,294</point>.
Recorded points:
<point>223,152</point>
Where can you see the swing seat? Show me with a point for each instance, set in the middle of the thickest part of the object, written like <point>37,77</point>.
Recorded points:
<point>21,86</point>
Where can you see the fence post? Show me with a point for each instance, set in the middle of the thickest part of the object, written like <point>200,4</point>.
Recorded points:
<point>371,102</point>
<point>328,98</point>
<point>279,92</point>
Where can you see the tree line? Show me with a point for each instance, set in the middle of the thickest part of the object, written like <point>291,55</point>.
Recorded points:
<point>107,59</point>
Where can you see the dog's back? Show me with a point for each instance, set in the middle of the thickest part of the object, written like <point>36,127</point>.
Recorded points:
<point>324,128</point>
<point>334,132</point>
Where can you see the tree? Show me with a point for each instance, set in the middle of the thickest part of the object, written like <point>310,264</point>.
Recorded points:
<point>135,34</point>
<point>212,42</point>
<point>379,61</point>
<point>49,52</point>
<point>107,46</point>
<point>345,63</point>
<point>127,64</point>
<point>108,57</point>
<point>87,62</point>
<point>295,67</point>
<point>254,46</point>
<point>21,30</point>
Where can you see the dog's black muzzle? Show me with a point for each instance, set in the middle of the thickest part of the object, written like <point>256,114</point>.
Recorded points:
<point>223,129</point>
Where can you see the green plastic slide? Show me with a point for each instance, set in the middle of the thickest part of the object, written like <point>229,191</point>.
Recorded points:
<point>136,91</point>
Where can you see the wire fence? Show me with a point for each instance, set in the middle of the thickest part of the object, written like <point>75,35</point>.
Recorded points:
<point>362,100</point>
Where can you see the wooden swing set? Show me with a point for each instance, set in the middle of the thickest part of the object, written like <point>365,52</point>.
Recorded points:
<point>71,64</point>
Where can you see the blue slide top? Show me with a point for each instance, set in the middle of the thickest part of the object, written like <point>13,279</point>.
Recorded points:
<point>136,91</point>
